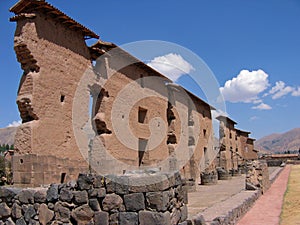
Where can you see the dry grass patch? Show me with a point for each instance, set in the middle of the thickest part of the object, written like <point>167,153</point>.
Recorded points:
<point>290,214</point>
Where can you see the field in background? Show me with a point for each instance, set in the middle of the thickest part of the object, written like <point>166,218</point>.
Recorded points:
<point>291,206</point>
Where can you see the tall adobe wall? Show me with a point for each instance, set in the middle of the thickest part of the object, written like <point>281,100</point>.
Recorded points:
<point>53,58</point>
<point>139,120</point>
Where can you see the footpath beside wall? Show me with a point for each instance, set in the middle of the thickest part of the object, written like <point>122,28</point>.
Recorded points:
<point>229,211</point>
<point>140,198</point>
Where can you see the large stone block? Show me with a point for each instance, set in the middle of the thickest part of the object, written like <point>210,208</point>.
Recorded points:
<point>146,183</point>
<point>112,201</point>
<point>101,218</point>
<point>94,204</point>
<point>117,184</point>
<point>26,196</point>
<point>52,193</point>
<point>5,211</point>
<point>157,201</point>
<point>134,202</point>
<point>62,213</point>
<point>83,214</point>
<point>8,194</point>
<point>29,213</point>
<point>16,211</point>
<point>154,218</point>
<point>65,195</point>
<point>40,196</point>
<point>45,214</point>
<point>85,181</point>
<point>80,197</point>
<point>128,218</point>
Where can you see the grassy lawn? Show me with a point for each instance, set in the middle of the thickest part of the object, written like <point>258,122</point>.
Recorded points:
<point>290,214</point>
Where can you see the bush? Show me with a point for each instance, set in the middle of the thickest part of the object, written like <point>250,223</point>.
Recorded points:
<point>5,171</point>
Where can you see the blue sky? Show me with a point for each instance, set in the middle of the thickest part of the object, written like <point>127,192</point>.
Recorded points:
<point>257,42</point>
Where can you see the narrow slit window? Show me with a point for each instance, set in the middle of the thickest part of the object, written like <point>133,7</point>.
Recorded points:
<point>62,178</point>
<point>142,115</point>
<point>142,150</point>
<point>62,98</point>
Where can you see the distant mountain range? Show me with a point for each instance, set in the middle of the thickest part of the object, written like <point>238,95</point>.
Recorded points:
<point>288,141</point>
<point>7,135</point>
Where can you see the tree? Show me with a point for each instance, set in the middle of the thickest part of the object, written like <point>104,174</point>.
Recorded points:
<point>7,147</point>
<point>12,147</point>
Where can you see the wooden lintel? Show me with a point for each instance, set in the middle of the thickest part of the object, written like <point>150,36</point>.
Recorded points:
<point>68,21</point>
<point>62,17</point>
<point>54,12</point>
<point>75,26</point>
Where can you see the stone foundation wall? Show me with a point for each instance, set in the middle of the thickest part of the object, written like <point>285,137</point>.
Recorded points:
<point>275,162</point>
<point>257,176</point>
<point>209,178</point>
<point>32,170</point>
<point>223,174</point>
<point>145,198</point>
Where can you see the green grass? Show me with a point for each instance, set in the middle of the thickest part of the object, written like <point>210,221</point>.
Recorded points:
<point>290,214</point>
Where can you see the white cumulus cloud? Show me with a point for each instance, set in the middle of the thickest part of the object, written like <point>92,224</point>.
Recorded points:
<point>296,92</point>
<point>246,86</point>
<point>172,65</point>
<point>15,124</point>
<point>279,90</point>
<point>262,106</point>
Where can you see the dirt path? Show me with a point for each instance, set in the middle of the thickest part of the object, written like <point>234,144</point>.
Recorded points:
<point>267,209</point>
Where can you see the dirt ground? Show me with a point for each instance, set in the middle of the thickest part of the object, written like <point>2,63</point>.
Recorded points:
<point>291,206</point>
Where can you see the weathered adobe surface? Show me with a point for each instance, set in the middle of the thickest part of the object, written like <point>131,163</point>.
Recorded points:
<point>236,148</point>
<point>53,63</point>
<point>54,56</point>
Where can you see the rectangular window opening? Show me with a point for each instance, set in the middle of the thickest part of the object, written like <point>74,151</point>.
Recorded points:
<point>142,115</point>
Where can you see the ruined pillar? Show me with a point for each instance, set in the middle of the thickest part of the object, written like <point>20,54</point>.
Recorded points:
<point>51,49</point>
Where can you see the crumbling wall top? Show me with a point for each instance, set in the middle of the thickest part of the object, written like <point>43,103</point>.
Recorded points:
<point>226,119</point>
<point>29,6</point>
